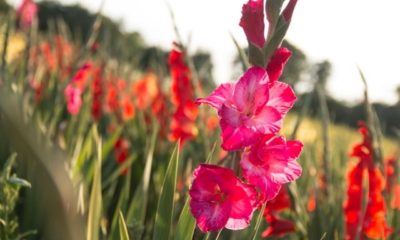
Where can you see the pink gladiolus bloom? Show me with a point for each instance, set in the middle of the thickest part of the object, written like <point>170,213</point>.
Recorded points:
<point>252,107</point>
<point>219,199</point>
<point>270,163</point>
<point>73,98</point>
<point>277,63</point>
<point>252,22</point>
<point>27,12</point>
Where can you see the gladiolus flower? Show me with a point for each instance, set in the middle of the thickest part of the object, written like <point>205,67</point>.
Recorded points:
<point>182,126</point>
<point>372,223</point>
<point>219,199</point>
<point>27,12</point>
<point>312,202</point>
<point>252,22</point>
<point>97,93</point>
<point>73,99</point>
<point>182,90</point>
<point>250,108</point>
<point>280,203</point>
<point>112,103</point>
<point>277,226</point>
<point>121,152</point>
<point>375,225</point>
<point>270,163</point>
<point>128,109</point>
<point>146,90</point>
<point>82,75</point>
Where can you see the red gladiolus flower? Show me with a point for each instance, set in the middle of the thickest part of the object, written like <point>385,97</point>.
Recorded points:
<point>97,93</point>
<point>252,22</point>
<point>112,103</point>
<point>121,152</point>
<point>128,109</point>
<point>372,223</point>
<point>182,126</point>
<point>312,202</point>
<point>375,225</point>
<point>352,206</point>
<point>219,199</point>
<point>80,78</point>
<point>280,203</point>
<point>182,90</point>
<point>277,226</point>
<point>145,90</point>
<point>27,13</point>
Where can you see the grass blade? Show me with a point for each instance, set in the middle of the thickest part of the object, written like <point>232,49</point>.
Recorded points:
<point>137,209</point>
<point>186,224</point>
<point>95,200</point>
<point>165,207</point>
<point>123,230</point>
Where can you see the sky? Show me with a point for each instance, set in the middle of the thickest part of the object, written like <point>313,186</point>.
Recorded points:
<point>348,33</point>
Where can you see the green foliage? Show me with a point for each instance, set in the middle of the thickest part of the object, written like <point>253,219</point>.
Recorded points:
<point>165,207</point>
<point>10,186</point>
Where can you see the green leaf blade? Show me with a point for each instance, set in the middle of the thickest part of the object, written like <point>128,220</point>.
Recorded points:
<point>165,207</point>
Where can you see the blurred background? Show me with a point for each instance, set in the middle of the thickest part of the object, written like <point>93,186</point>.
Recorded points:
<point>89,116</point>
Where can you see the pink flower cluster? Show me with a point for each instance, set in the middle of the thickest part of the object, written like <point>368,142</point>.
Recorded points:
<point>251,113</point>
<point>27,12</point>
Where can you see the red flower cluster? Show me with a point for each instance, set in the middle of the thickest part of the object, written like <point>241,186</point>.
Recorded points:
<point>182,126</point>
<point>372,222</point>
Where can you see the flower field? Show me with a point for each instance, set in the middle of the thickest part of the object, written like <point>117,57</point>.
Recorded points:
<point>94,145</point>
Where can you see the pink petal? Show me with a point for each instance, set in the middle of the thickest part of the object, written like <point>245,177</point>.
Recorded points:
<point>281,97</point>
<point>210,216</point>
<point>252,22</point>
<point>294,148</point>
<point>284,172</point>
<point>251,91</point>
<point>242,207</point>
<point>236,138</point>
<point>219,96</point>
<point>258,176</point>
<point>230,116</point>
<point>268,120</point>
<point>270,163</point>
<point>277,63</point>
